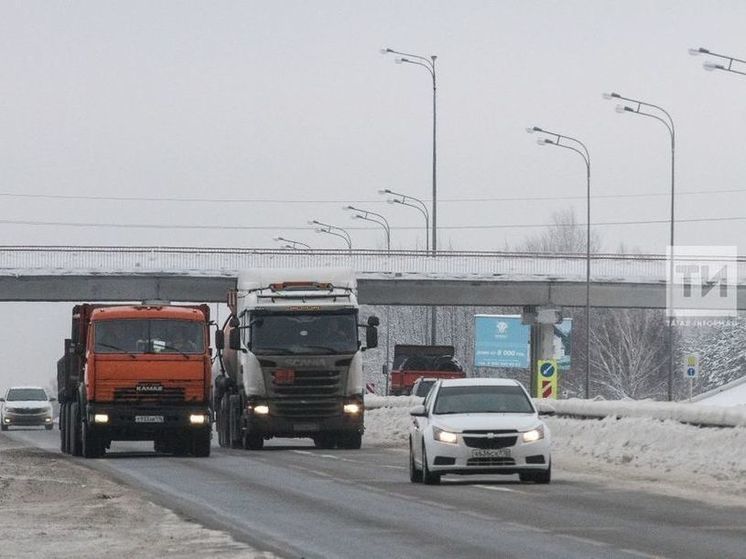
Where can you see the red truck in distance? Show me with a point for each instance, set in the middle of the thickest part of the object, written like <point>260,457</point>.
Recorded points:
<point>412,362</point>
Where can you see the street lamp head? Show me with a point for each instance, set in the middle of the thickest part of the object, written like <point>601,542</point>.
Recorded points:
<point>384,191</point>
<point>544,141</point>
<point>611,95</point>
<point>624,109</point>
<point>532,129</point>
<point>710,66</point>
<point>700,50</point>
<point>347,208</point>
<point>400,60</point>
<point>391,200</point>
<point>386,51</point>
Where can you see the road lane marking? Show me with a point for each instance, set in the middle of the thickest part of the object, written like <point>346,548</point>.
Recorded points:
<point>583,540</point>
<point>495,488</point>
<point>641,554</point>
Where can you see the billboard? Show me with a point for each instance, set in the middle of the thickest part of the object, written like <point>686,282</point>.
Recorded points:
<point>562,344</point>
<point>501,341</point>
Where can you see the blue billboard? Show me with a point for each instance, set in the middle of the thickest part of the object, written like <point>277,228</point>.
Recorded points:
<point>501,341</point>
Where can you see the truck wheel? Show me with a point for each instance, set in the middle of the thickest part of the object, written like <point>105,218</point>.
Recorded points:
<point>3,427</point>
<point>253,441</point>
<point>234,421</point>
<point>92,446</point>
<point>49,427</point>
<point>352,441</point>
<point>325,441</point>
<point>63,433</point>
<point>201,443</point>
<point>76,448</point>
<point>224,423</point>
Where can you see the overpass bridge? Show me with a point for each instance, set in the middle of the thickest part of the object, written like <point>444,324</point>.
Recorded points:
<point>89,273</point>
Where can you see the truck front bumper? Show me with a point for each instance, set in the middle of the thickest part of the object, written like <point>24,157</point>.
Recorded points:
<point>300,424</point>
<point>145,423</point>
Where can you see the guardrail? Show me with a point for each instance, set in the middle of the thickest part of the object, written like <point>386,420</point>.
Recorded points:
<point>228,261</point>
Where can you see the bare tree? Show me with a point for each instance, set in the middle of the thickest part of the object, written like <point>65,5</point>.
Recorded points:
<point>564,236</point>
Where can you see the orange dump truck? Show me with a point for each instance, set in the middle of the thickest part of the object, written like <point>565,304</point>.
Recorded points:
<point>136,372</point>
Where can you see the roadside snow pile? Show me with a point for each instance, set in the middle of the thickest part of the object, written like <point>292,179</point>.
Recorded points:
<point>683,412</point>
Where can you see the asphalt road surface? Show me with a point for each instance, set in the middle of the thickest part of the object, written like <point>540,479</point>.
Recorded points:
<point>298,501</point>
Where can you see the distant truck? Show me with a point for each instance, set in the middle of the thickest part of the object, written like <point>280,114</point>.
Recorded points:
<point>136,372</point>
<point>412,362</point>
<point>293,364</point>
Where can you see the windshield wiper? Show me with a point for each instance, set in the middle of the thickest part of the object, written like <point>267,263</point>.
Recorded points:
<point>176,349</point>
<point>117,348</point>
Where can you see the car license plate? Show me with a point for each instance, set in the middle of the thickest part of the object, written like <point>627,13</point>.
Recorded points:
<point>490,453</point>
<point>148,419</point>
<point>303,427</point>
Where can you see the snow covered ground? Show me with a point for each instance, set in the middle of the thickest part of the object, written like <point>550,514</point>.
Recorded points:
<point>639,450</point>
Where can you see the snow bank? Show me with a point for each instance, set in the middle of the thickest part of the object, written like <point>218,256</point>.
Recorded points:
<point>683,412</point>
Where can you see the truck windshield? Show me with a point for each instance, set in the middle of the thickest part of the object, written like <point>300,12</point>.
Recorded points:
<point>482,399</point>
<point>21,394</point>
<point>149,336</point>
<point>299,333</point>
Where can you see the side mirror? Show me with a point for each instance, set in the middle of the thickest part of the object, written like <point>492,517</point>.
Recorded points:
<point>219,339</point>
<point>418,411</point>
<point>234,322</point>
<point>2,399</point>
<point>53,399</point>
<point>371,337</point>
<point>373,321</point>
<point>234,339</point>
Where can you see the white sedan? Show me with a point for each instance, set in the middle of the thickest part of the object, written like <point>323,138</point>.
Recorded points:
<point>478,426</point>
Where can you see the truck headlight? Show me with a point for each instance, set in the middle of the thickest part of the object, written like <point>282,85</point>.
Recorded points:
<point>352,409</point>
<point>444,436</point>
<point>197,419</point>
<point>533,435</point>
<point>101,418</point>
<point>261,409</point>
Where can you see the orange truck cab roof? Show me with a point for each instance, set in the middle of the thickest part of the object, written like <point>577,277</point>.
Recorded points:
<point>125,312</point>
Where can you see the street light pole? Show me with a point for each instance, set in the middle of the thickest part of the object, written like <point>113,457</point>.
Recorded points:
<point>332,230</point>
<point>292,244</point>
<point>419,206</point>
<point>366,215</point>
<point>428,63</point>
<point>710,66</point>
<point>581,150</point>
<point>667,121</point>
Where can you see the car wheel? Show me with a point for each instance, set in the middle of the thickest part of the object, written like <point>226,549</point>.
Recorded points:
<point>415,475</point>
<point>351,441</point>
<point>428,477</point>
<point>545,476</point>
<point>3,427</point>
<point>49,427</point>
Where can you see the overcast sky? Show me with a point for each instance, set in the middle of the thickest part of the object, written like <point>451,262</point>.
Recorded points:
<point>289,109</point>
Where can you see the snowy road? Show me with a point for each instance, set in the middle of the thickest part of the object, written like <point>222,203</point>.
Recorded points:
<point>301,502</point>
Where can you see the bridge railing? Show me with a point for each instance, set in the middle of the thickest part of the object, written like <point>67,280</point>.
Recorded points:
<point>38,260</point>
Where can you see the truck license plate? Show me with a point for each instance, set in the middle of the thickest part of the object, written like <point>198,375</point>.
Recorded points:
<point>490,453</point>
<point>148,419</point>
<point>304,427</point>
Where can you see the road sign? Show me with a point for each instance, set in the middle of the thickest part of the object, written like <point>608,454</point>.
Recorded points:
<point>547,378</point>
<point>370,387</point>
<point>691,366</point>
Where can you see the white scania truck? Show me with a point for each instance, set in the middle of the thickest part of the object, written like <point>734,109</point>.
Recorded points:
<point>293,362</point>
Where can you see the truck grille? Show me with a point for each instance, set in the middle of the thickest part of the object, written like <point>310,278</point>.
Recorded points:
<point>305,409</point>
<point>169,395</point>
<point>307,383</point>
<point>486,442</point>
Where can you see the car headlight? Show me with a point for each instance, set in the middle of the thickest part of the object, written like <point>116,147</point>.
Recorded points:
<point>261,409</point>
<point>533,435</point>
<point>444,436</point>
<point>198,419</point>
<point>101,418</point>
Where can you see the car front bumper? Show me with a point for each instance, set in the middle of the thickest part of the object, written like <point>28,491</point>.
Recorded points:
<point>26,419</point>
<point>444,458</point>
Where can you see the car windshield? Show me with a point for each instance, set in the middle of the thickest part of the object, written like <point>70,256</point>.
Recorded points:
<point>423,388</point>
<point>482,399</point>
<point>21,394</point>
<point>323,333</point>
<point>149,336</point>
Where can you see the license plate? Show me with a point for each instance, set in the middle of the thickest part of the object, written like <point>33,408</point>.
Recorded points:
<point>490,453</point>
<point>148,419</point>
<point>305,427</point>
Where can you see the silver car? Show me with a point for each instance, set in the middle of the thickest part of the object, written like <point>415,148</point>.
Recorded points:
<point>478,426</point>
<point>25,406</point>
